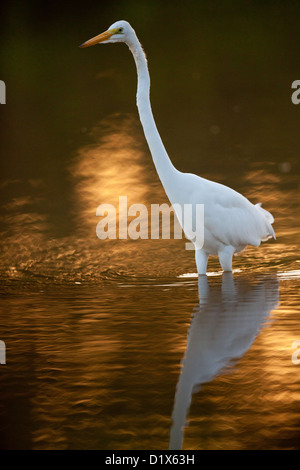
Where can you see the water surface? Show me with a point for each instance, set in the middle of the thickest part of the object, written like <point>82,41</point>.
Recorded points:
<point>117,344</point>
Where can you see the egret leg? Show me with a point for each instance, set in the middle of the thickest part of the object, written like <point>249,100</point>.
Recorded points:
<point>201,261</point>
<point>225,257</point>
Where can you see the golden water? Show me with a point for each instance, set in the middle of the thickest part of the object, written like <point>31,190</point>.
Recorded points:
<point>117,344</point>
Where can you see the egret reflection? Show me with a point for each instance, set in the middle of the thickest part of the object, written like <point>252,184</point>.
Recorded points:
<point>225,323</point>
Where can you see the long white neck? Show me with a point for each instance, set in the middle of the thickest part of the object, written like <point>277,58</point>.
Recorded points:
<point>162,162</point>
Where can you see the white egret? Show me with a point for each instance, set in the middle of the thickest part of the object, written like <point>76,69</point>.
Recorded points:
<point>231,222</point>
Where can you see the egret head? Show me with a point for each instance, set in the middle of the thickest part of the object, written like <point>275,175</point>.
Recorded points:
<point>121,31</point>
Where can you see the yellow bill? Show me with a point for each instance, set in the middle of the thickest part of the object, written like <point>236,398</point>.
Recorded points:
<point>100,38</point>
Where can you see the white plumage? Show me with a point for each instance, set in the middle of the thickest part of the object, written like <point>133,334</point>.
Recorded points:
<point>231,222</point>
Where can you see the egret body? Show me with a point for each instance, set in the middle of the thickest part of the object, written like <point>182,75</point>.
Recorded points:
<point>231,221</point>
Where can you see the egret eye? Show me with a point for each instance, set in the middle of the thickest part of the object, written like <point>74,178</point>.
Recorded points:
<point>120,30</point>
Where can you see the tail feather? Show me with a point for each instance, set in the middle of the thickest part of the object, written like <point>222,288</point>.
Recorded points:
<point>269,218</point>
<point>267,214</point>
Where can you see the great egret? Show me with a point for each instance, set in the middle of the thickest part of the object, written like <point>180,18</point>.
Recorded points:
<point>231,222</point>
